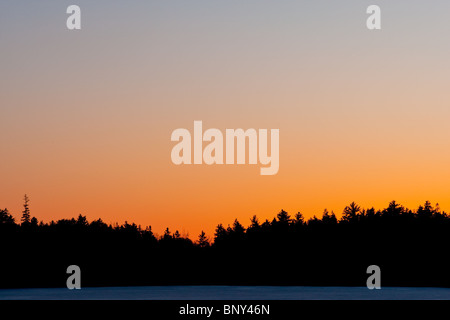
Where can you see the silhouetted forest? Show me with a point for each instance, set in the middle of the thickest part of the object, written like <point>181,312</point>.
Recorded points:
<point>410,246</point>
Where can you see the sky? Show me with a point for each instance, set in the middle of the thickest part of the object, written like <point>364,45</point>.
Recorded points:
<point>86,115</point>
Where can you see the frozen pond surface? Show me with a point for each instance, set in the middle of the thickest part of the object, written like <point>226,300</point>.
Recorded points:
<point>227,293</point>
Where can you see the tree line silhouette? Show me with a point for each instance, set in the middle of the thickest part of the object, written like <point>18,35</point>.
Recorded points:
<point>410,247</point>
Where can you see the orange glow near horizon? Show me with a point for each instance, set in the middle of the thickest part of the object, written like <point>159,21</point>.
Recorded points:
<point>86,117</point>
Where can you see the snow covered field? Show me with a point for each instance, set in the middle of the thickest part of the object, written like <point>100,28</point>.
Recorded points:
<point>226,293</point>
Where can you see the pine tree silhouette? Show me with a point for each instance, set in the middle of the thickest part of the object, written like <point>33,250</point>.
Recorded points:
<point>26,218</point>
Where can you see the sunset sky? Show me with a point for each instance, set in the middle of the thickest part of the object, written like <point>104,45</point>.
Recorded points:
<point>86,116</point>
